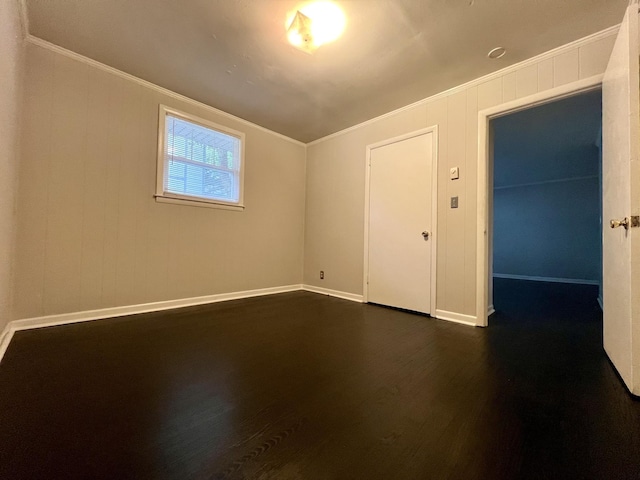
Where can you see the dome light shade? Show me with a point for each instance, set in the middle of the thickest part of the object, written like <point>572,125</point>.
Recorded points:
<point>315,24</point>
<point>299,33</point>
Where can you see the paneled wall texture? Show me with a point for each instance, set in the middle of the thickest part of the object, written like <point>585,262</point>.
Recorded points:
<point>334,235</point>
<point>91,235</point>
<point>11,66</point>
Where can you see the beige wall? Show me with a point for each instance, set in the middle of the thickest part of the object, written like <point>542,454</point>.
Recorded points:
<point>11,64</point>
<point>90,234</point>
<point>336,175</point>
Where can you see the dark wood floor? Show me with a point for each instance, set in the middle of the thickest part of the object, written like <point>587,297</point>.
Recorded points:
<point>302,386</point>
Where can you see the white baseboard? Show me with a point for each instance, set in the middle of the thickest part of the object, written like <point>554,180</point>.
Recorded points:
<point>90,315</point>
<point>456,317</point>
<point>5,339</point>
<point>333,293</point>
<point>491,311</point>
<point>577,281</point>
<point>600,303</point>
<point>86,316</point>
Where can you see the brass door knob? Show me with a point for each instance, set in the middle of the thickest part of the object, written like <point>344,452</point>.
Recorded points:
<point>620,223</point>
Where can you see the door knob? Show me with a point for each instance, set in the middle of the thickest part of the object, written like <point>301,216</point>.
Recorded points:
<point>620,223</point>
<point>425,235</point>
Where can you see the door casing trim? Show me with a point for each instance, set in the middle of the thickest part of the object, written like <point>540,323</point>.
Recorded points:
<point>484,161</point>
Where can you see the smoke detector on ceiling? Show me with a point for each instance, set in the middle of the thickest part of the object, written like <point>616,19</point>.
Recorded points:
<point>496,53</point>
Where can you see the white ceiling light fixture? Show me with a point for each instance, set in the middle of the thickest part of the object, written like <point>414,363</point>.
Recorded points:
<point>315,24</point>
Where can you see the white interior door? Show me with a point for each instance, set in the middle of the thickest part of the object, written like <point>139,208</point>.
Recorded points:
<point>621,198</point>
<point>400,240</point>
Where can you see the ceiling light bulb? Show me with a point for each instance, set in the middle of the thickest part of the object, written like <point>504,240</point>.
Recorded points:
<point>327,21</point>
<point>295,38</point>
<point>315,24</point>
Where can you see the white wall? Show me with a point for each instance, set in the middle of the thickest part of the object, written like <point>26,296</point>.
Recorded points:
<point>546,194</point>
<point>90,234</point>
<point>11,65</point>
<point>334,230</point>
<point>548,230</point>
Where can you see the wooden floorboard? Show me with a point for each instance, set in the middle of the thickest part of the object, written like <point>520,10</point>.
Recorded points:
<point>304,386</point>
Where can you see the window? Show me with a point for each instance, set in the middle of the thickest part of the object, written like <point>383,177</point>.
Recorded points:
<point>199,162</point>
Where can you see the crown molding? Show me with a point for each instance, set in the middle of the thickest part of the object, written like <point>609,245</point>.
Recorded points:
<point>165,91</point>
<point>607,32</point>
<point>478,81</point>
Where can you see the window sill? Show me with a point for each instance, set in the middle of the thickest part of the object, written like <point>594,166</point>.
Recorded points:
<point>197,203</point>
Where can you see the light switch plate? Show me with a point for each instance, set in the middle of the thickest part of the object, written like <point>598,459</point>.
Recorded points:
<point>454,202</point>
<point>454,173</point>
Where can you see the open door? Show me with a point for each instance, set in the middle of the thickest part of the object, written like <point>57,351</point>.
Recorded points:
<point>621,201</point>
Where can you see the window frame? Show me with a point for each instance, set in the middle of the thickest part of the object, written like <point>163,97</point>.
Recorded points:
<point>168,197</point>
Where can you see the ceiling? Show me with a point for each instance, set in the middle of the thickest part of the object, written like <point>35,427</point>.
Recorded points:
<point>551,142</point>
<point>233,54</point>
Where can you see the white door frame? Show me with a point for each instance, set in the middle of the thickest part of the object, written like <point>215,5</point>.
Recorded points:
<point>484,162</point>
<point>434,207</point>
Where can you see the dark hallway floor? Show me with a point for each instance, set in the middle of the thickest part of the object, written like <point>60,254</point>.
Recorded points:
<point>574,413</point>
<point>302,386</point>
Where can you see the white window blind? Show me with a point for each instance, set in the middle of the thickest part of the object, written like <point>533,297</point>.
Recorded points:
<point>200,162</point>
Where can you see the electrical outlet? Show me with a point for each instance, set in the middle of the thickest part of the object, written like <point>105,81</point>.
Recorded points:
<point>454,202</point>
<point>321,274</point>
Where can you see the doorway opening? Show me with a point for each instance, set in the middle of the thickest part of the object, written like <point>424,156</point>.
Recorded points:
<point>545,212</point>
<point>620,146</point>
<point>484,275</point>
